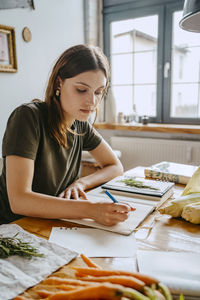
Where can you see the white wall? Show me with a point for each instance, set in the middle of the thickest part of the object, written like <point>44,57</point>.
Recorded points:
<point>55,26</point>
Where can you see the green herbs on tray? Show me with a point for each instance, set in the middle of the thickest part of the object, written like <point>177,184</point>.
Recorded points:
<point>14,246</point>
<point>138,184</point>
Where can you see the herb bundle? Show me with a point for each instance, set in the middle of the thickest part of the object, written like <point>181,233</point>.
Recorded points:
<point>136,183</point>
<point>14,246</point>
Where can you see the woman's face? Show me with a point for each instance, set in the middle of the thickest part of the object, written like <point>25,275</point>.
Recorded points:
<point>80,95</point>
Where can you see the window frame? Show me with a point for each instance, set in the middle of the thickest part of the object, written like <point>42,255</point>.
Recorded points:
<point>116,10</point>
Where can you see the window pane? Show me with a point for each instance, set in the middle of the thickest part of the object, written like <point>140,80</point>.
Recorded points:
<point>144,67</point>
<point>134,64</point>
<point>185,100</point>
<point>122,43</point>
<point>123,96</point>
<point>122,69</point>
<point>185,89</point>
<point>134,34</point>
<point>148,95</point>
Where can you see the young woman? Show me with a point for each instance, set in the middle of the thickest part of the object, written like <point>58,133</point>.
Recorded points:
<point>43,142</point>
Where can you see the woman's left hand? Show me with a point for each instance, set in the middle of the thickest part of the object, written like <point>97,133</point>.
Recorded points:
<point>74,191</point>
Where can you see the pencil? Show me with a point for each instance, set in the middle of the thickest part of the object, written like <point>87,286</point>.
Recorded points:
<point>111,197</point>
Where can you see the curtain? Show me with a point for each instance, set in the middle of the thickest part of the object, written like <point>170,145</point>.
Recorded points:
<point>93,33</point>
<point>93,22</point>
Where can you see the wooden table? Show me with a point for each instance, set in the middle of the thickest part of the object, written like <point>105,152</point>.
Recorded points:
<point>157,232</point>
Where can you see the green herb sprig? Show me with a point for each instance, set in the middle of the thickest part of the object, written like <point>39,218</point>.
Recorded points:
<point>14,246</point>
<point>136,183</point>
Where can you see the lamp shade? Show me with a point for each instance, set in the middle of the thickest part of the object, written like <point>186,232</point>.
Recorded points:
<point>191,16</point>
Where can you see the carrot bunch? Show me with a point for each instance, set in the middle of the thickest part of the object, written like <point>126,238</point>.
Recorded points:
<point>93,282</point>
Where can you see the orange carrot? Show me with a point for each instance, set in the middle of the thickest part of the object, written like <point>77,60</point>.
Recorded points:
<point>103,291</point>
<point>89,262</point>
<point>126,281</point>
<point>95,272</point>
<point>45,293</point>
<point>66,287</point>
<point>21,298</point>
<point>60,281</point>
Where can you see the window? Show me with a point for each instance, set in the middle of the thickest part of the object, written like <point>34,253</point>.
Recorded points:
<point>155,65</point>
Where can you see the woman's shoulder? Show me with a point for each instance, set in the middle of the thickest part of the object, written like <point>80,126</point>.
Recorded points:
<point>35,107</point>
<point>31,112</point>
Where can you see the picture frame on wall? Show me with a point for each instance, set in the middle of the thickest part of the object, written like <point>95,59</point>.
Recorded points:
<point>8,58</point>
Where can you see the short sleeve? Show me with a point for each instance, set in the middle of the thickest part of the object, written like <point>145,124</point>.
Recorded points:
<point>22,133</point>
<point>91,138</point>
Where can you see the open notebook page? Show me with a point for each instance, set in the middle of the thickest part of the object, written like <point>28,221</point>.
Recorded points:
<point>126,227</point>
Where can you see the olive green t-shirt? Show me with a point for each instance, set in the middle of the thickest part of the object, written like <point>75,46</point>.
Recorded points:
<point>55,167</point>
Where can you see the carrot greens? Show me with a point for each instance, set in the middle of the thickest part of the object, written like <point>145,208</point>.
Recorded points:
<point>14,246</point>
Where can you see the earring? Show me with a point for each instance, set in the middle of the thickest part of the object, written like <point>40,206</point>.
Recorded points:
<point>57,92</point>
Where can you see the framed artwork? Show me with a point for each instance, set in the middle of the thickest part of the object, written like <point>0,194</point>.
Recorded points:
<point>8,59</point>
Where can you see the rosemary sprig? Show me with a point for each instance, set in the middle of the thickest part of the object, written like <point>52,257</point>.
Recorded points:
<point>136,183</point>
<point>14,246</point>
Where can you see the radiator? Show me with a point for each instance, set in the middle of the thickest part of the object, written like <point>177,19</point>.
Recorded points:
<point>148,151</point>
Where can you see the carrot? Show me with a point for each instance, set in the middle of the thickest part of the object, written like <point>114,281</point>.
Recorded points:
<point>126,281</point>
<point>45,293</point>
<point>21,298</point>
<point>102,291</point>
<point>61,281</point>
<point>89,262</point>
<point>66,287</point>
<point>95,272</point>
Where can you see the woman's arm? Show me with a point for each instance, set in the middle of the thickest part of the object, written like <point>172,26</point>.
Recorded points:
<point>109,163</point>
<point>23,201</point>
<point>110,168</point>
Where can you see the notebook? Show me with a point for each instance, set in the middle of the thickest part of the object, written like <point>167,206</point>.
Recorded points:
<point>94,242</point>
<point>140,187</point>
<point>126,227</point>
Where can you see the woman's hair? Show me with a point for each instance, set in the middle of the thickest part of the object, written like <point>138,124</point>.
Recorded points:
<point>73,61</point>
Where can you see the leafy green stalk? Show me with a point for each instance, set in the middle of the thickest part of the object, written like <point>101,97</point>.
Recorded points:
<point>150,293</point>
<point>136,183</point>
<point>133,294</point>
<point>14,246</point>
<point>165,291</point>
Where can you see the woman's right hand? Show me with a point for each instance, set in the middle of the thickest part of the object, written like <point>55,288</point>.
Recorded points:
<point>110,214</point>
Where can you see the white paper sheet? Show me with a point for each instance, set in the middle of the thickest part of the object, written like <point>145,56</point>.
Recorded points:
<point>94,242</point>
<point>19,273</point>
<point>180,271</point>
